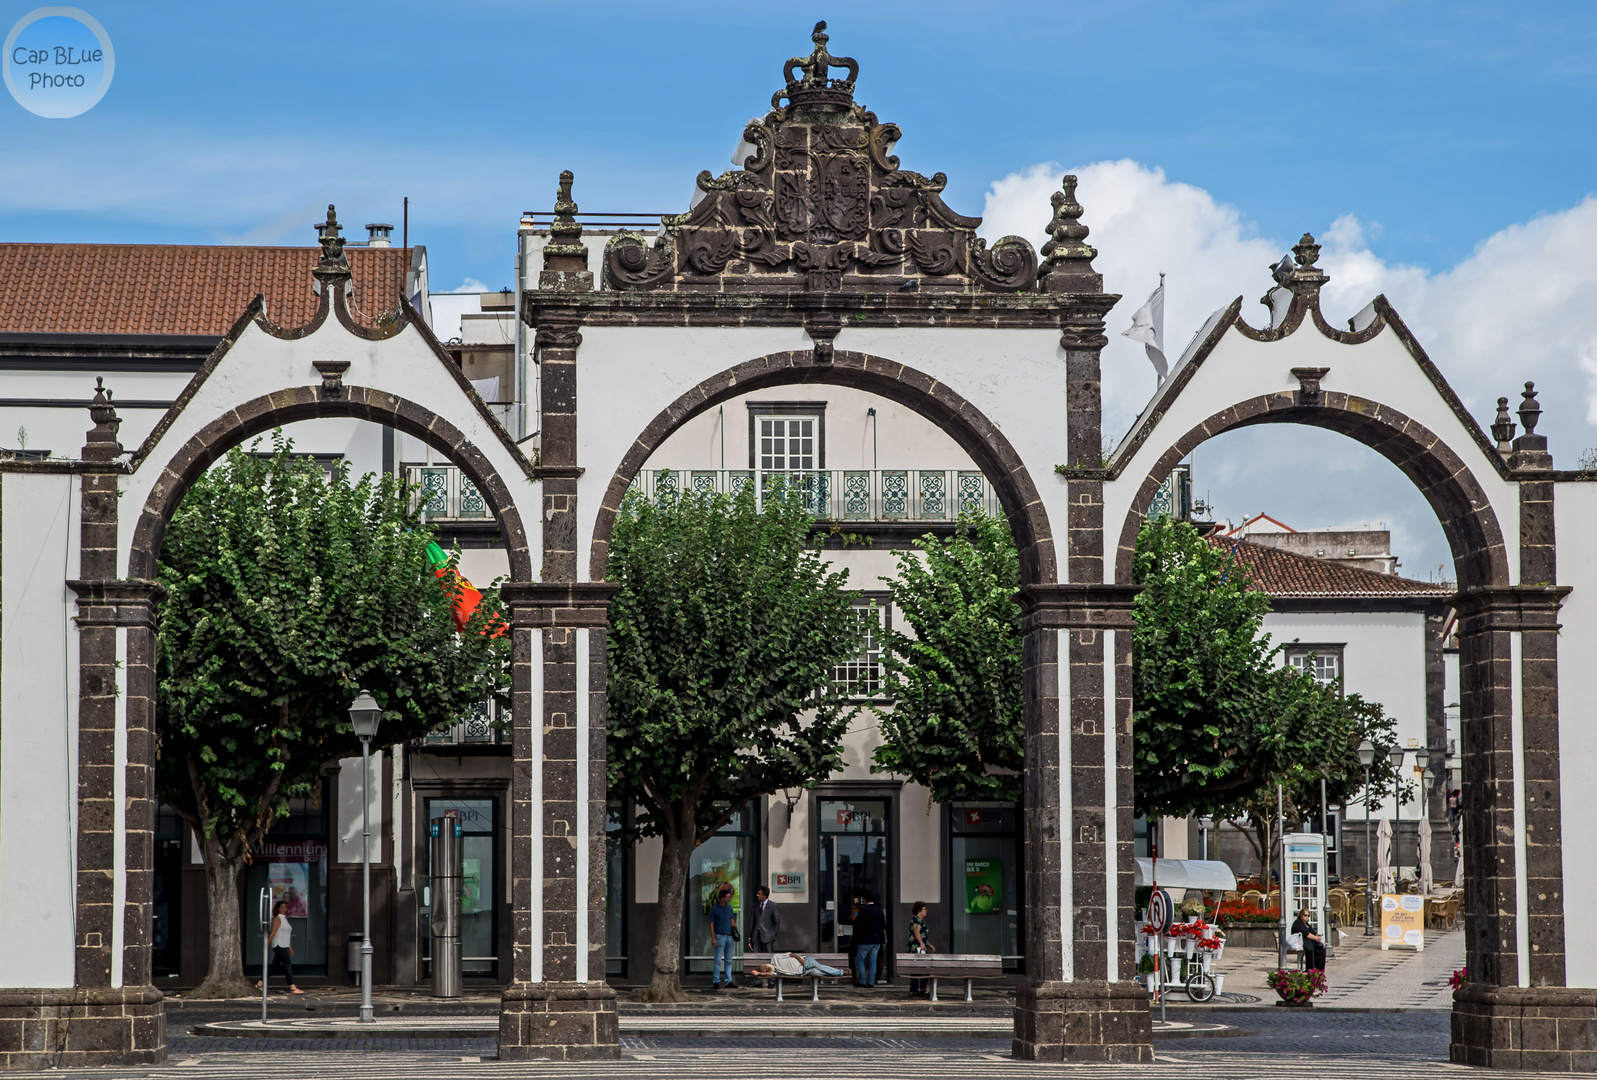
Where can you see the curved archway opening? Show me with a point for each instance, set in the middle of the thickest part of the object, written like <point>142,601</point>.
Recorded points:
<point>976,435</point>
<point>252,418</point>
<point>1473,534</point>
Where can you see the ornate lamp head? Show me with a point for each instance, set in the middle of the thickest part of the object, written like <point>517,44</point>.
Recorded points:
<point>815,90</point>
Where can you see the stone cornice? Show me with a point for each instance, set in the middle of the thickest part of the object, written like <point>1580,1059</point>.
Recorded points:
<point>548,604</point>
<point>1509,607</point>
<point>1091,606</point>
<point>117,601</point>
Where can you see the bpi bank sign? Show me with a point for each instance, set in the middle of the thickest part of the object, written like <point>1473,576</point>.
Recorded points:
<point>58,62</point>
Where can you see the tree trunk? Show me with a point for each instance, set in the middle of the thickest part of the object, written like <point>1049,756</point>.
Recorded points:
<point>670,901</point>
<point>225,979</point>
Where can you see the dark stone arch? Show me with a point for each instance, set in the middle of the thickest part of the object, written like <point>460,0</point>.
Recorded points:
<point>962,421</point>
<point>1468,521</point>
<point>309,403</point>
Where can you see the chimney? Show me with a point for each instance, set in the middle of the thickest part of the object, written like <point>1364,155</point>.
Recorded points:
<point>378,234</point>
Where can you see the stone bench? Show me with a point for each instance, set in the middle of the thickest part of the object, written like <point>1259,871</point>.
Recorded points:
<point>934,966</point>
<point>753,961</point>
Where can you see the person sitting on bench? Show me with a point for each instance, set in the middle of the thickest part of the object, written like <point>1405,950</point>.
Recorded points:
<point>792,965</point>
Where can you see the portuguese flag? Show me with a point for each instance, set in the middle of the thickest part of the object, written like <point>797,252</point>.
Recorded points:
<point>467,595</point>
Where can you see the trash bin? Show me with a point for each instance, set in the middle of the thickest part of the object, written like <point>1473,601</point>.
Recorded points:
<point>354,957</point>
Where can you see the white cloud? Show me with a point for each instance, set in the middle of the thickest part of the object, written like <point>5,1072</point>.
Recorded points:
<point>1518,308</point>
<point>471,285</point>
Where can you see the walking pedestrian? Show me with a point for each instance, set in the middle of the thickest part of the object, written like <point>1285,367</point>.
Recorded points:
<point>722,929</point>
<point>919,942</point>
<point>281,936</point>
<point>870,934</point>
<point>767,924</point>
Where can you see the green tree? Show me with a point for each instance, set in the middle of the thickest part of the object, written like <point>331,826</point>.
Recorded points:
<point>955,726</point>
<point>288,592</point>
<point>724,636</point>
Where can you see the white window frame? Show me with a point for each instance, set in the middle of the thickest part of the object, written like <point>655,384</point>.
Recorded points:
<point>867,667</point>
<point>1297,657</point>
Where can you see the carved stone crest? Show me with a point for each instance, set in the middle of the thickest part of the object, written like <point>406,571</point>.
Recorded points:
<point>821,205</point>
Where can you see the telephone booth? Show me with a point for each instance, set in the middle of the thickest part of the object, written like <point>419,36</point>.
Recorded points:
<point>1305,879</point>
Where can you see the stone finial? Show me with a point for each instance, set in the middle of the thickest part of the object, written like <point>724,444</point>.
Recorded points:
<point>1305,252</point>
<point>565,258</point>
<point>99,443</point>
<point>334,264</point>
<point>1067,257</point>
<point>1529,410</point>
<point>1305,278</point>
<point>1503,427</point>
<point>815,90</point>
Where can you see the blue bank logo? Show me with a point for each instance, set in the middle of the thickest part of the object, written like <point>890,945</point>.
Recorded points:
<point>58,62</point>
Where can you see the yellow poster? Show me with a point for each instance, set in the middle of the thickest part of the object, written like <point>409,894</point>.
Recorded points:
<point>1403,921</point>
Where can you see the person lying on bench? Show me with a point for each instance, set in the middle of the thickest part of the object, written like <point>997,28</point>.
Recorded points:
<point>794,966</point>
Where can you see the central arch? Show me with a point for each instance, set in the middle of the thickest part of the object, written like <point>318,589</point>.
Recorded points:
<point>1473,532</point>
<point>962,421</point>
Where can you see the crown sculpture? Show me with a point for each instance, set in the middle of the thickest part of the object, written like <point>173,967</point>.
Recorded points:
<point>820,205</point>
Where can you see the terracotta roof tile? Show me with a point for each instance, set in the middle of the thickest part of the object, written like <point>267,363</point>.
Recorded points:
<point>176,289</point>
<point>1283,573</point>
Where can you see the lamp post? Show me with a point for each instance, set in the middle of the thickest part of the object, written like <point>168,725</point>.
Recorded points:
<point>364,715</point>
<point>1396,756</point>
<point>1367,758</point>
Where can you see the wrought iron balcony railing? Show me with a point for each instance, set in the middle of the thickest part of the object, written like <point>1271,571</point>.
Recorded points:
<point>446,494</point>
<point>845,494</point>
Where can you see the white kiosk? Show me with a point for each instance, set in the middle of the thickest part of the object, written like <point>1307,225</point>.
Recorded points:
<point>1304,860</point>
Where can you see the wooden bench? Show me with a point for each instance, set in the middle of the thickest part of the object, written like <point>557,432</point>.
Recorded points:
<point>753,961</point>
<point>934,966</point>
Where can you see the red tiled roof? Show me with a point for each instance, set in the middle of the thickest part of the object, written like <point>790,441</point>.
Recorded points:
<point>176,289</point>
<point>1283,573</point>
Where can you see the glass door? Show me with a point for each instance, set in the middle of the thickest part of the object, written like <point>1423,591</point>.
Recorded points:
<point>479,953</point>
<point>853,863</point>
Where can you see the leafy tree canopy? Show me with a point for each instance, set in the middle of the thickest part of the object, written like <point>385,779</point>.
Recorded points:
<point>955,725</point>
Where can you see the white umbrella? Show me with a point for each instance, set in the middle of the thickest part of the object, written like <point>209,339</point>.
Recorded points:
<point>1385,880</point>
<point>1426,881</point>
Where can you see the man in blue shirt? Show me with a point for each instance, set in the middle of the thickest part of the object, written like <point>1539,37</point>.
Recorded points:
<point>721,932</point>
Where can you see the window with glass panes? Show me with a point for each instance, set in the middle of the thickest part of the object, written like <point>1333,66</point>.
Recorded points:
<point>1324,662</point>
<point>787,443</point>
<point>862,675</point>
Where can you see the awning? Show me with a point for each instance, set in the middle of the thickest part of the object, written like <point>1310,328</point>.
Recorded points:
<point>1187,874</point>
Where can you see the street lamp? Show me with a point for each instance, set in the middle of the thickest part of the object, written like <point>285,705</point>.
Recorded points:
<point>1396,757</point>
<point>1367,758</point>
<point>364,715</point>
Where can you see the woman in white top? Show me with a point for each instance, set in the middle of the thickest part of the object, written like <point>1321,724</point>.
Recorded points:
<point>282,952</point>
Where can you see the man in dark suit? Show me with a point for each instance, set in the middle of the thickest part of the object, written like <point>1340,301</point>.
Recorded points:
<point>767,923</point>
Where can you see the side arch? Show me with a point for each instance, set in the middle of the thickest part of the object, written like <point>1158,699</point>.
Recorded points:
<point>1473,532</point>
<point>308,403</point>
<point>965,424</point>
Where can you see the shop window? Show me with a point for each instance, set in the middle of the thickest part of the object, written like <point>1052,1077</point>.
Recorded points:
<point>166,908</point>
<point>853,862</point>
<point>479,953</point>
<point>615,909</point>
<point>985,877</point>
<point>292,861</point>
<point>862,676</point>
<point>726,857</point>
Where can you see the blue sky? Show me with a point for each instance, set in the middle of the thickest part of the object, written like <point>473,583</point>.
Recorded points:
<point>1427,129</point>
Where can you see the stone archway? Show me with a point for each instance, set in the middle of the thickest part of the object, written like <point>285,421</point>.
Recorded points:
<point>962,421</point>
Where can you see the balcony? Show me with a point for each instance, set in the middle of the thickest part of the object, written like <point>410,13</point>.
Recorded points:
<point>846,494</point>
<point>444,493</point>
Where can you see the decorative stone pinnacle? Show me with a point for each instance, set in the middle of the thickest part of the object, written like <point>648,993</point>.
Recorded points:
<point>1503,426</point>
<point>100,441</point>
<point>815,90</point>
<point>565,258</point>
<point>1305,278</point>
<point>333,263</point>
<point>1067,257</point>
<point>1529,410</point>
<point>1306,251</point>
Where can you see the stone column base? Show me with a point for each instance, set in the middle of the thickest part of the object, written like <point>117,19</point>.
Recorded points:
<point>1083,1021</point>
<point>1543,1028</point>
<point>560,1021</point>
<point>72,1028</point>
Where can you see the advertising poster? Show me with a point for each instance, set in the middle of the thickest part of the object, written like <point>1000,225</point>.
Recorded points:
<point>470,885</point>
<point>289,882</point>
<point>984,885</point>
<point>1402,921</point>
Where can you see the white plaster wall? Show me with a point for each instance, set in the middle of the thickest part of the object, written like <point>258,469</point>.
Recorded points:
<point>1383,660</point>
<point>1576,517</point>
<point>920,836</point>
<point>787,848</point>
<point>348,810</point>
<point>483,566</point>
<point>646,869</point>
<point>1240,368</point>
<point>626,376</point>
<point>259,364</point>
<point>38,727</point>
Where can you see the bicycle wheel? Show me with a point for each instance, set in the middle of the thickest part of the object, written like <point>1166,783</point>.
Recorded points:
<point>1200,986</point>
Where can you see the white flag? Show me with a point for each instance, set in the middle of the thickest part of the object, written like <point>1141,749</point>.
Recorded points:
<point>1147,326</point>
